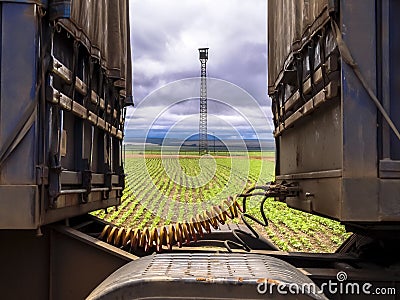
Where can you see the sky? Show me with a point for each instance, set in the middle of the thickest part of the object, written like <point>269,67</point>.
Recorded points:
<point>165,37</point>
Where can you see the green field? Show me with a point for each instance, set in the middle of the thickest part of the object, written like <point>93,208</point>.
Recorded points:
<point>160,191</point>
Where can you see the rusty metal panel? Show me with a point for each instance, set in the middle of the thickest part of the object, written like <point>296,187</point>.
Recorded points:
<point>360,200</point>
<point>320,195</point>
<point>340,152</point>
<point>314,144</point>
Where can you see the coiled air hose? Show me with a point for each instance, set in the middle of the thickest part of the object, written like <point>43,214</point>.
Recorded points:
<point>186,232</point>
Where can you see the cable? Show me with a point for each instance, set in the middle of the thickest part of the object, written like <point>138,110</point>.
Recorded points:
<point>266,193</point>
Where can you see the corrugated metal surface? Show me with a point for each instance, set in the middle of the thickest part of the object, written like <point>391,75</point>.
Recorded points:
<point>290,24</point>
<point>103,27</point>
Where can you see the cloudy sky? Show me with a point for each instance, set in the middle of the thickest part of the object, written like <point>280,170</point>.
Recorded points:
<point>165,37</point>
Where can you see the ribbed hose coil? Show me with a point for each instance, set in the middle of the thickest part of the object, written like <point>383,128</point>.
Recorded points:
<point>173,234</point>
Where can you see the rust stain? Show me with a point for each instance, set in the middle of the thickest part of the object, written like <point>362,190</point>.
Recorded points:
<point>261,280</point>
<point>201,279</point>
<point>267,280</point>
<point>272,281</point>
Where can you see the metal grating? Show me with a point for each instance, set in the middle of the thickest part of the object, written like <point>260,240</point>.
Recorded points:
<point>246,266</point>
<point>201,276</point>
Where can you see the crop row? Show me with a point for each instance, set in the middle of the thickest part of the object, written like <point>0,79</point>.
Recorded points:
<point>176,189</point>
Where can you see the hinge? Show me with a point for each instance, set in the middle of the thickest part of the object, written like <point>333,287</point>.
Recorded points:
<point>42,175</point>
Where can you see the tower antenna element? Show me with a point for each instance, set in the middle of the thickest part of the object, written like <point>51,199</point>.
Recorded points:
<point>203,141</point>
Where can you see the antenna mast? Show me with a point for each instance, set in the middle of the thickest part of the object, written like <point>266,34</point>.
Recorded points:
<point>203,142</point>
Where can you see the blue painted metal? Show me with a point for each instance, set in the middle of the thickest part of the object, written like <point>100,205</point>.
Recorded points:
<point>31,158</point>
<point>19,59</point>
<point>393,48</point>
<point>39,2</point>
<point>359,112</point>
<point>18,80</point>
<point>60,9</point>
<point>359,117</point>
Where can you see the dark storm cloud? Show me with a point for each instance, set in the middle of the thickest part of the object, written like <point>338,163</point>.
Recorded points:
<point>165,38</point>
<point>176,105</point>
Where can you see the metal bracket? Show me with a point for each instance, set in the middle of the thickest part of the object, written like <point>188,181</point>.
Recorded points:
<point>86,184</point>
<point>121,183</point>
<point>42,175</point>
<point>284,190</point>
<point>54,178</point>
<point>107,184</point>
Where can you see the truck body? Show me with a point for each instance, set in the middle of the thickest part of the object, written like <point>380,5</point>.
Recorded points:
<point>331,138</point>
<point>65,82</point>
<point>66,79</point>
<point>65,69</point>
